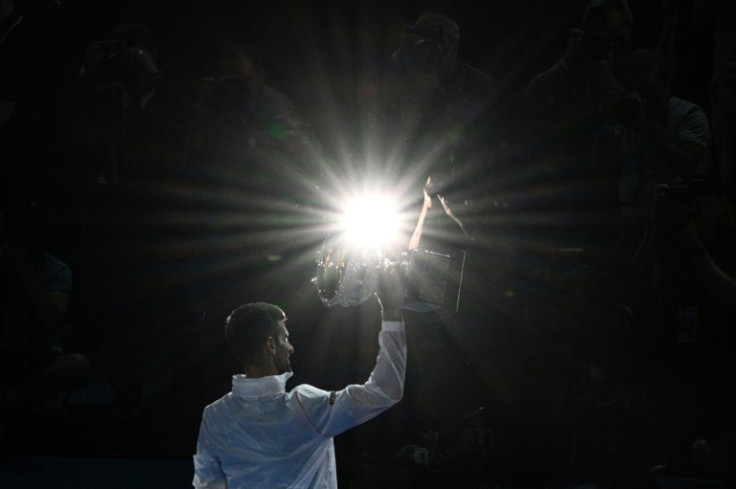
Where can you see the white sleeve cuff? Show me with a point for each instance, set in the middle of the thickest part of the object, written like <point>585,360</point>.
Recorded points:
<point>392,326</point>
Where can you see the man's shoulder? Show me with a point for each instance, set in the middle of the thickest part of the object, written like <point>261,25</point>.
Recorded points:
<point>56,274</point>
<point>310,398</point>
<point>307,391</point>
<point>216,405</point>
<point>681,109</point>
<point>688,120</point>
<point>53,262</point>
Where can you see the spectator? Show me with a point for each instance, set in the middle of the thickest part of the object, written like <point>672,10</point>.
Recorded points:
<point>19,103</point>
<point>683,276</point>
<point>579,104</point>
<point>579,153</point>
<point>250,133</point>
<point>587,71</point>
<point>35,288</point>
<point>260,435</point>
<point>692,236</point>
<point>144,111</point>
<point>143,118</point>
<point>424,110</point>
<point>586,67</point>
<point>719,16</point>
<point>663,138</point>
<point>269,107</point>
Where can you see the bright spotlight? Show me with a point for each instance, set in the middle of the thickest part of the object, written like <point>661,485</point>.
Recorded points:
<point>370,236</point>
<point>371,222</point>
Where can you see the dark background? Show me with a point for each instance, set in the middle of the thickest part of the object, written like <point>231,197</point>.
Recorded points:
<point>315,51</point>
<point>513,369</point>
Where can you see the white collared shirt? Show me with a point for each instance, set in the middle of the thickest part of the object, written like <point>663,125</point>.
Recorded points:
<point>259,435</point>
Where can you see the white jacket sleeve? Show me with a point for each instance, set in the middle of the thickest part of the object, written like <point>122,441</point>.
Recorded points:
<point>332,413</point>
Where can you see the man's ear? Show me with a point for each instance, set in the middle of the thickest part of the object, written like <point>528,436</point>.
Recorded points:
<point>271,346</point>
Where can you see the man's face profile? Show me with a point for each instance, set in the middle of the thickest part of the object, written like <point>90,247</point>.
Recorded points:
<point>283,347</point>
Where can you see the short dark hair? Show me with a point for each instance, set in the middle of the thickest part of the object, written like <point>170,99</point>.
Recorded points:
<point>248,327</point>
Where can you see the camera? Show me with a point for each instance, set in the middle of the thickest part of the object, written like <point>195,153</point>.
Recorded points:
<point>426,53</point>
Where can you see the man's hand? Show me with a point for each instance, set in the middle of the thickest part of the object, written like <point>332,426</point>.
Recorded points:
<point>427,198</point>
<point>391,293</point>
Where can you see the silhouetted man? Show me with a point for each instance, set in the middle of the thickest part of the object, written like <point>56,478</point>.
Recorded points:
<point>260,435</point>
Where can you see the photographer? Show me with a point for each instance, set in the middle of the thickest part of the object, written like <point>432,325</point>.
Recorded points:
<point>423,110</point>
<point>716,21</point>
<point>35,373</point>
<point>692,240</point>
<point>683,271</point>
<point>587,66</point>
<point>139,111</point>
<point>247,131</point>
<point>583,97</point>
<point>578,151</point>
<point>685,308</point>
<point>667,139</point>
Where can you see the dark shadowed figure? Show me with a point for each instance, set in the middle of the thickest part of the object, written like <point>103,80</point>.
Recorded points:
<point>36,374</point>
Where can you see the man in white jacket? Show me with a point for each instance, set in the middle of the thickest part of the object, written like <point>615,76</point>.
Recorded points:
<point>259,435</point>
